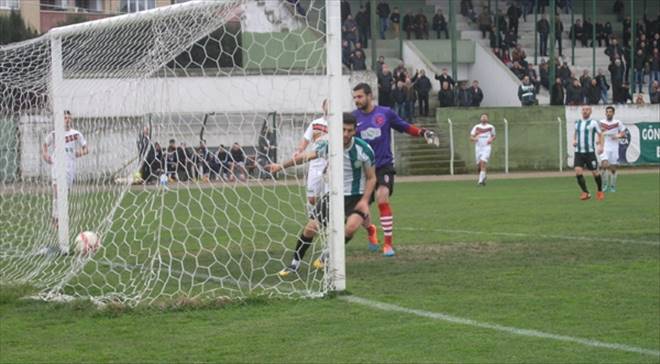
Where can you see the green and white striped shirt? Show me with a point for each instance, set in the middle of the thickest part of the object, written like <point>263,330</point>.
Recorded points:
<point>585,135</point>
<point>357,157</point>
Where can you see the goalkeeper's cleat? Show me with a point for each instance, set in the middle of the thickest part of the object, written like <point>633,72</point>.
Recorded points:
<point>388,251</point>
<point>600,195</point>
<point>288,271</point>
<point>584,196</point>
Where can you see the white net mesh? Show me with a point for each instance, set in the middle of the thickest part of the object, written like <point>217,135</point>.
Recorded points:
<point>244,72</point>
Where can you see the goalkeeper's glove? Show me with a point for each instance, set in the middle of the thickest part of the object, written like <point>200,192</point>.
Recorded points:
<point>431,137</point>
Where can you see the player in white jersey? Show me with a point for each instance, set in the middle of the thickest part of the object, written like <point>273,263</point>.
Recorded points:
<point>316,130</point>
<point>75,146</point>
<point>482,135</point>
<point>612,131</point>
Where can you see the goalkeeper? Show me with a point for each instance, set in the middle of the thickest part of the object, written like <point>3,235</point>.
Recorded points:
<point>374,125</point>
<point>359,184</point>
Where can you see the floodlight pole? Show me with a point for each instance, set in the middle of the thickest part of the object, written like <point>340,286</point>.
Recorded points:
<point>60,164</point>
<point>335,277</point>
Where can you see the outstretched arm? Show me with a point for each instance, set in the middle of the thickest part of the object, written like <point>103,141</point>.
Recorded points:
<point>299,159</point>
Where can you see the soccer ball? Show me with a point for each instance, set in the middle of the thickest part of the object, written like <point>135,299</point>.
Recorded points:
<point>87,243</point>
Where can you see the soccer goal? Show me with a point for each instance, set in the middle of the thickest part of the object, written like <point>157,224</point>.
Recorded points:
<point>153,131</point>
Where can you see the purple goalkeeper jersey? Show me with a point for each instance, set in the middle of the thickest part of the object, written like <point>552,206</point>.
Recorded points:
<point>375,128</point>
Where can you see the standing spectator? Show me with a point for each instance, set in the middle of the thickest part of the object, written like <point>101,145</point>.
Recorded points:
<point>533,78</point>
<point>385,82</point>
<point>543,28</point>
<point>557,93</point>
<point>237,164</point>
<point>544,74</point>
<point>476,94</point>
<point>446,95</point>
<point>559,30</point>
<point>600,34</point>
<point>493,39</point>
<point>654,68</point>
<point>395,19</point>
<point>349,30</point>
<point>526,93</point>
<point>616,77</point>
<point>623,95</point>
<point>619,8</point>
<point>399,72</point>
<point>399,97</point>
<point>614,50</point>
<point>383,11</point>
<point>587,32</point>
<point>463,96</point>
<point>411,99</point>
<point>607,33</point>
<point>640,63</point>
<point>379,65</point>
<point>345,9</point>
<point>362,21</point>
<point>421,25</point>
<point>514,13</point>
<point>592,93</point>
<point>444,77</point>
<point>440,24</point>
<point>485,23</point>
<point>574,93</point>
<point>408,24</point>
<point>565,74</point>
<point>423,87</point>
<point>603,86</point>
<point>346,53</point>
<point>585,79</point>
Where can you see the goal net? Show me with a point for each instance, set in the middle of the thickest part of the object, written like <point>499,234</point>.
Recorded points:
<point>153,131</point>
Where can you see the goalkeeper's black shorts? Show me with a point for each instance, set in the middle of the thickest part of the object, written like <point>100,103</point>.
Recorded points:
<point>384,177</point>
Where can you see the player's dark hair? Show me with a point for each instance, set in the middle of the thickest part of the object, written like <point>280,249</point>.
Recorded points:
<point>610,107</point>
<point>67,112</point>
<point>484,113</point>
<point>364,87</point>
<point>349,119</point>
<point>172,141</point>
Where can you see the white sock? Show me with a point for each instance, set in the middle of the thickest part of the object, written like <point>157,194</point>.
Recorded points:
<point>606,177</point>
<point>613,179</point>
<point>295,263</point>
<point>482,176</point>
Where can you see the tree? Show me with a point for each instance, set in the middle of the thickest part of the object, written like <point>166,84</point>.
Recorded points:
<point>13,29</point>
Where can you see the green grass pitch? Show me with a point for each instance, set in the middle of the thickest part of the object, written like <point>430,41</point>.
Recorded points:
<point>520,253</point>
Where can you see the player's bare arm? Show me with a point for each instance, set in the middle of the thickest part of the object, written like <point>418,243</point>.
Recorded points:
<point>299,159</point>
<point>369,186</point>
<point>600,143</point>
<point>491,140</point>
<point>44,154</point>
<point>301,147</point>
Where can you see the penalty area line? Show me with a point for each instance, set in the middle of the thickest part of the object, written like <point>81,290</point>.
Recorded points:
<point>546,236</point>
<point>490,326</point>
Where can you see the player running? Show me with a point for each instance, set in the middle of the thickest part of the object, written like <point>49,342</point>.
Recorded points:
<point>482,135</point>
<point>375,124</point>
<point>75,147</point>
<point>317,129</point>
<point>584,141</point>
<point>612,131</point>
<point>359,184</point>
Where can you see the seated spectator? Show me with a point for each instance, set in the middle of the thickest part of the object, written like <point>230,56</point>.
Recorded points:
<point>533,78</point>
<point>395,20</point>
<point>544,75</point>
<point>421,26</point>
<point>237,164</point>
<point>585,79</point>
<point>346,53</point>
<point>526,93</point>
<point>358,61</point>
<point>220,166</point>
<point>557,93</point>
<point>446,95</point>
<point>476,94</point>
<point>623,94</point>
<point>349,30</point>
<point>408,24</point>
<point>204,160</point>
<point>655,93</point>
<point>577,31</point>
<point>518,70</point>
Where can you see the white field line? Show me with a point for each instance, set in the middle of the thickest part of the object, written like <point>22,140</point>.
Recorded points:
<point>559,237</point>
<point>496,327</point>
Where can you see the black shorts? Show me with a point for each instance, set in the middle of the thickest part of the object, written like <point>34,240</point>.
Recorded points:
<point>384,177</point>
<point>322,212</point>
<point>586,160</point>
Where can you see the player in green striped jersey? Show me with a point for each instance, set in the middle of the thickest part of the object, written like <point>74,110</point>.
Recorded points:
<point>587,140</point>
<point>359,183</point>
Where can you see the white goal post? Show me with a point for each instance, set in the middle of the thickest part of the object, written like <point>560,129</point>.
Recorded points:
<point>232,84</point>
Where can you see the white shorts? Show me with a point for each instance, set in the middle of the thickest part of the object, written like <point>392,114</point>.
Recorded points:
<point>611,156</point>
<point>70,177</point>
<point>315,180</point>
<point>482,154</point>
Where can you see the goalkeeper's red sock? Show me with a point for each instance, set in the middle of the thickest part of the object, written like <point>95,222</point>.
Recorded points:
<point>386,222</point>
